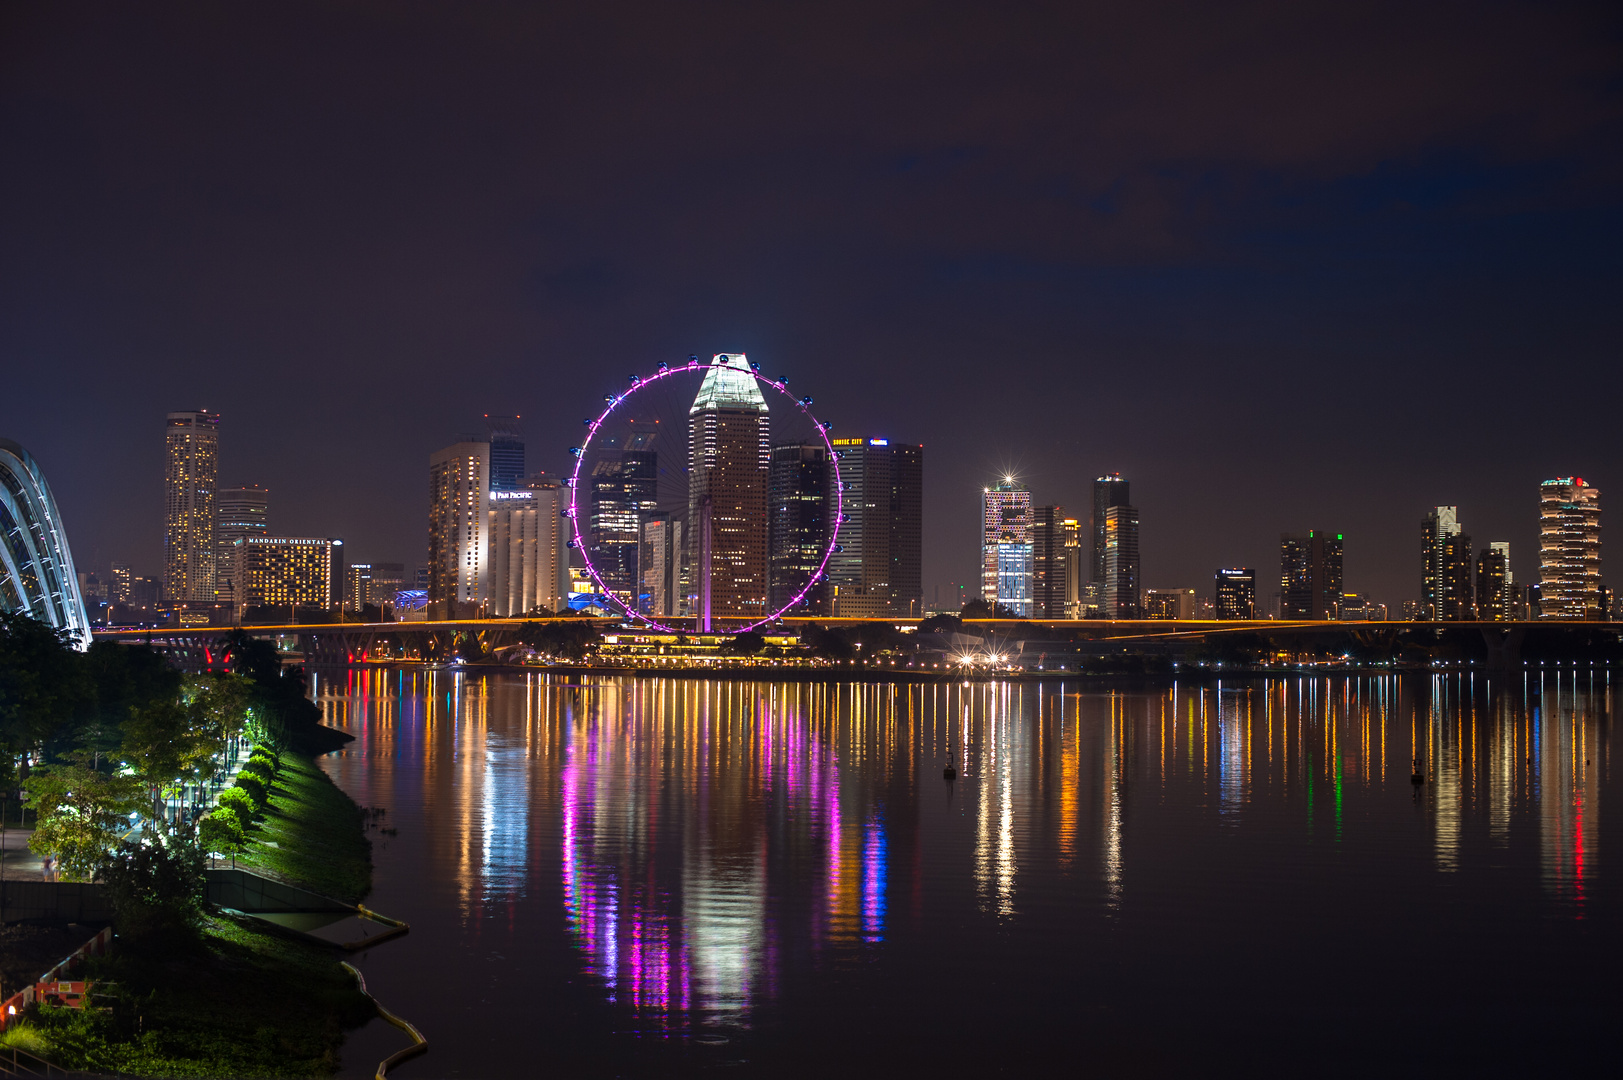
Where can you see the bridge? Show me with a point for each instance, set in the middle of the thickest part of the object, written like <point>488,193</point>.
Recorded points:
<point>339,644</point>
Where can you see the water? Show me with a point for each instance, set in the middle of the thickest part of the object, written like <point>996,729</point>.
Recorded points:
<point>656,877</point>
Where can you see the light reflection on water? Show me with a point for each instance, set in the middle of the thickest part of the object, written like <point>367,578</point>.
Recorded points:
<point>725,856</point>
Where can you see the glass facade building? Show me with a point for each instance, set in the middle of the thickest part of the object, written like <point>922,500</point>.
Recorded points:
<point>879,570</point>
<point>1006,546</point>
<point>801,505</point>
<point>1310,583</point>
<point>729,452</point>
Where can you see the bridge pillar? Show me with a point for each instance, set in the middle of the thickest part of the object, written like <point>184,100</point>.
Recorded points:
<point>1504,647</point>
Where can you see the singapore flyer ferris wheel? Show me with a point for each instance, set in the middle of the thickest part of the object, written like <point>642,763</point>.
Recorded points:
<point>706,497</point>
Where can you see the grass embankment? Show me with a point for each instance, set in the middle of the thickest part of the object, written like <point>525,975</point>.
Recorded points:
<point>240,1000</point>
<point>312,834</point>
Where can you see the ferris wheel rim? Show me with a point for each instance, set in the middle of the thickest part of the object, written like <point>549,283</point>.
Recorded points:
<point>614,401</point>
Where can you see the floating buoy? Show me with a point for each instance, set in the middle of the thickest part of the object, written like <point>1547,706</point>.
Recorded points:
<point>950,772</point>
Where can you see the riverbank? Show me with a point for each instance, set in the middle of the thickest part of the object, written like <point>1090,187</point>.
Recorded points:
<point>236,999</point>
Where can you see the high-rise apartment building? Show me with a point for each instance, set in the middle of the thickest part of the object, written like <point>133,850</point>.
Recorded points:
<point>298,571</point>
<point>528,559</point>
<point>878,570</point>
<point>238,512</point>
<point>729,450</point>
<point>458,545</point>
<point>1048,562</point>
<point>1569,549</point>
<point>506,453</point>
<point>357,585</point>
<point>660,564</point>
<point>801,507</point>
<point>1235,590</point>
<point>1310,575</point>
<point>1108,491</point>
<point>1122,595</point>
<point>191,468</point>
<point>1006,546</point>
<point>1495,584</point>
<point>1445,567</point>
<point>122,579</point>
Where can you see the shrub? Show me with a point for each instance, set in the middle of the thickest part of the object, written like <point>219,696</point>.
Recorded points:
<point>256,767</point>
<point>240,803</point>
<point>221,832</point>
<point>258,758</point>
<point>256,788</point>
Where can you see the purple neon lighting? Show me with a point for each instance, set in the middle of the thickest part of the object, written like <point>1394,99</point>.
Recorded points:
<point>614,401</point>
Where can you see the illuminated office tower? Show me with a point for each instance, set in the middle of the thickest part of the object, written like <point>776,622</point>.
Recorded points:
<point>238,512</point>
<point>528,558</point>
<point>1235,590</point>
<point>1006,546</point>
<point>1108,491</point>
<point>506,453</point>
<point>296,571</point>
<point>1122,597</point>
<point>1048,566</point>
<point>877,572</point>
<point>659,562</point>
<point>1495,584</point>
<point>728,461</point>
<point>1569,549</point>
<point>801,507</point>
<point>623,490</point>
<point>190,470</point>
<point>1310,575</point>
<point>458,547</point>
<point>1445,567</point>
<point>1071,530</point>
<point>388,579</point>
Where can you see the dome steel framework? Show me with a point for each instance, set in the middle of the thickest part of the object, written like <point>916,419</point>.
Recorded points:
<point>37,578</point>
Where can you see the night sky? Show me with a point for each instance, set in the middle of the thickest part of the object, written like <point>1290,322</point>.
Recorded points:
<point>1284,265</point>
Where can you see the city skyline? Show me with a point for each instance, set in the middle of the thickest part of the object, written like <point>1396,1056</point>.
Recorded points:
<point>1161,291</point>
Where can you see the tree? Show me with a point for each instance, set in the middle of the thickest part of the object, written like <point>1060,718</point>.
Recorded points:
<point>42,686</point>
<point>746,644</point>
<point>80,814</point>
<point>572,640</point>
<point>982,609</point>
<point>156,886</point>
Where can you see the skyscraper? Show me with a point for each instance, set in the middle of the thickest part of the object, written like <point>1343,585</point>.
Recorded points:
<point>458,497</point>
<point>122,579</point>
<point>1071,529</point>
<point>191,469</point>
<point>528,557</point>
<point>729,446</point>
<point>238,512</point>
<point>1235,589</point>
<point>506,452</point>
<point>1122,596</point>
<point>623,492</point>
<point>659,562</point>
<point>801,506</point>
<point>1048,560</point>
<point>1310,575</point>
<point>1445,566</point>
<point>1108,491</point>
<point>1495,583</point>
<point>1006,546</point>
<point>1569,549</point>
<point>878,572</point>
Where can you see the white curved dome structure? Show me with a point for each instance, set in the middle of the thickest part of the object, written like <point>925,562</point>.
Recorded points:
<point>36,569</point>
